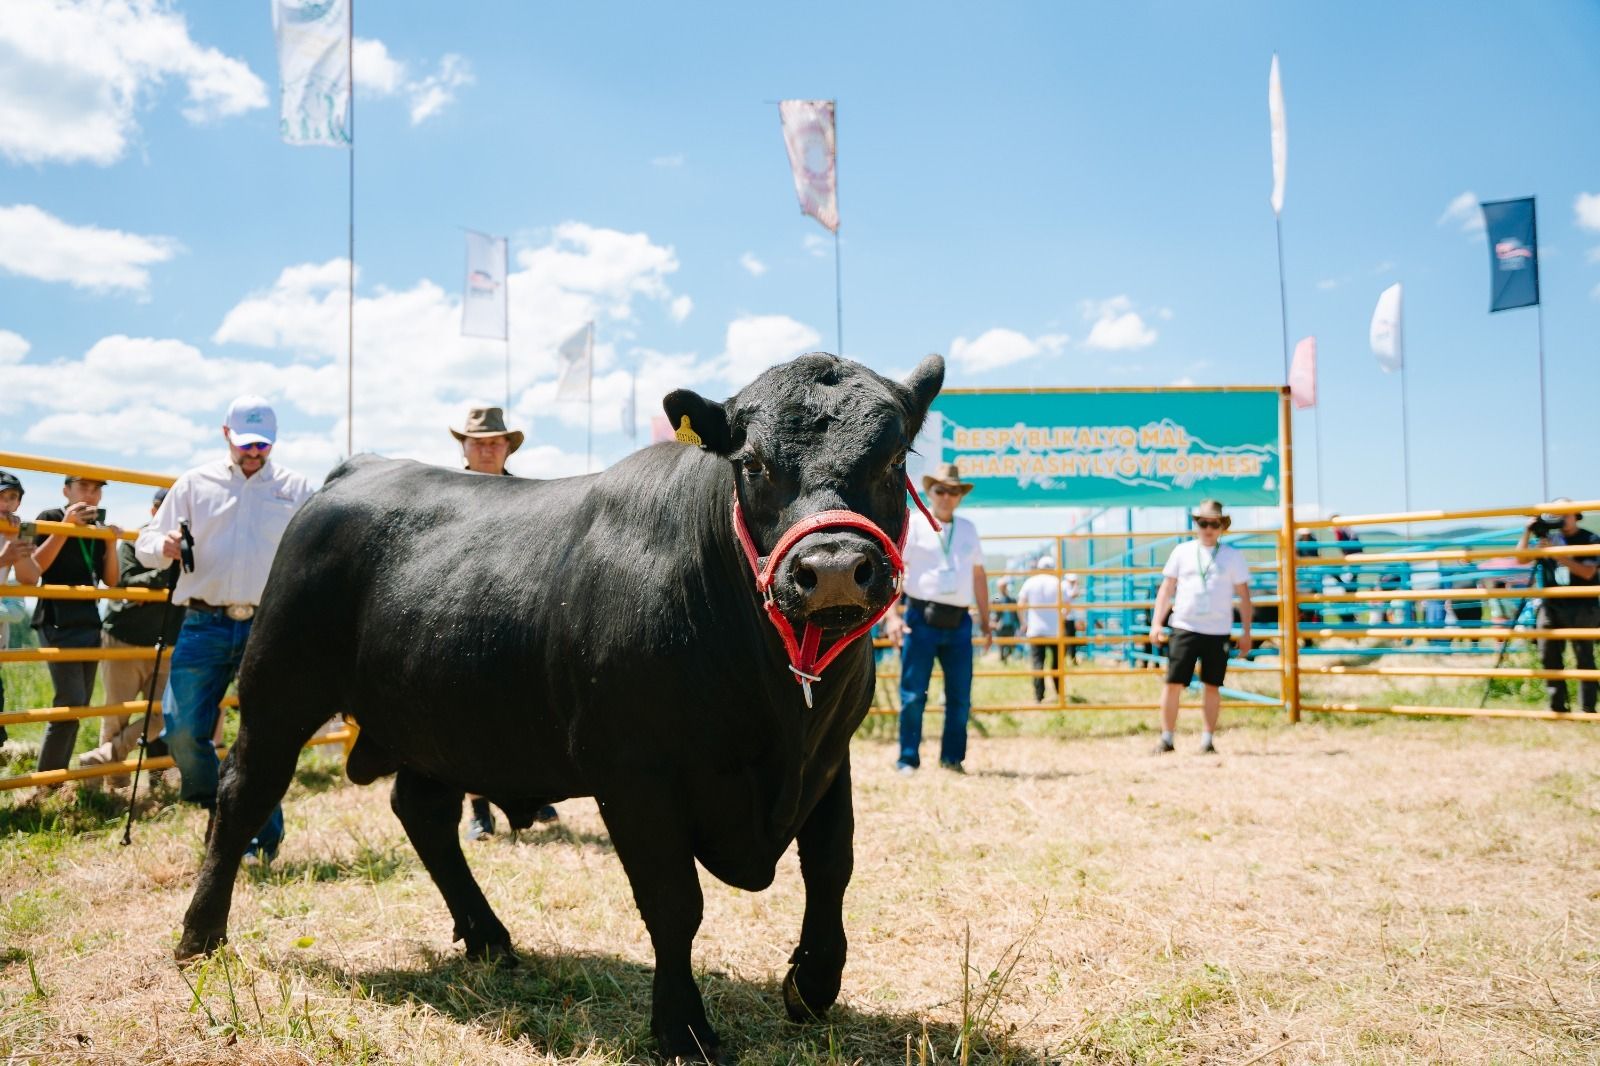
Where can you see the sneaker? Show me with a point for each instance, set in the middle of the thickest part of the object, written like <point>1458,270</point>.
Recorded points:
<point>258,856</point>
<point>1562,710</point>
<point>480,826</point>
<point>1208,748</point>
<point>546,815</point>
<point>953,767</point>
<point>1163,746</point>
<point>904,769</point>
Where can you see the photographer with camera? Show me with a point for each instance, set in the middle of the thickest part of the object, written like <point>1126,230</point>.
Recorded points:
<point>1554,531</point>
<point>238,508</point>
<point>65,560</point>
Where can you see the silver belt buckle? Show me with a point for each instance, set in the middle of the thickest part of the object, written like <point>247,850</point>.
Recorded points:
<point>240,612</point>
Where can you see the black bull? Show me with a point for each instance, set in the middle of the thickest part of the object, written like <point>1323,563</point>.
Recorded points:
<point>599,636</point>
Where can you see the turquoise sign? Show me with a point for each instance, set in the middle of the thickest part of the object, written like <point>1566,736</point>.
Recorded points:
<point>1169,448</point>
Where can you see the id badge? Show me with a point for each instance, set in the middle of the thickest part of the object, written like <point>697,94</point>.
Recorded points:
<point>949,582</point>
<point>1563,576</point>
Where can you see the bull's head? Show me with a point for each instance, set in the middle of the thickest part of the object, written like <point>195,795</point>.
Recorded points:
<point>820,433</point>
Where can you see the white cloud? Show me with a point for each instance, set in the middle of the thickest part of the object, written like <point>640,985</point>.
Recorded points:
<point>36,244</point>
<point>376,71</point>
<point>1182,382</point>
<point>1002,347</point>
<point>815,244</point>
<point>680,307</point>
<point>73,76</point>
<point>755,342</point>
<point>145,430</point>
<point>1116,327</point>
<point>13,346</point>
<point>752,265</point>
<point>1464,213</point>
<point>668,162</point>
<point>434,93</point>
<point>1586,209</point>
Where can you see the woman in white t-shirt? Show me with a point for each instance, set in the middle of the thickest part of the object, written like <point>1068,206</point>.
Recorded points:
<point>1198,585</point>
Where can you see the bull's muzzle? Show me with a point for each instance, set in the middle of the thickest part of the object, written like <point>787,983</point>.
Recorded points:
<point>835,580</point>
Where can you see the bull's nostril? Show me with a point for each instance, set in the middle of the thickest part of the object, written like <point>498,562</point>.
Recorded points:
<point>864,573</point>
<point>805,577</point>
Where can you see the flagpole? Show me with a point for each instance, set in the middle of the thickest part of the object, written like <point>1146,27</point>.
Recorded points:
<point>1405,435</point>
<point>1283,300</point>
<point>838,284</point>
<point>1544,439</point>
<point>350,310</point>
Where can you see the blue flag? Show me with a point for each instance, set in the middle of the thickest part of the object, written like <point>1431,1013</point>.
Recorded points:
<point>1513,253</point>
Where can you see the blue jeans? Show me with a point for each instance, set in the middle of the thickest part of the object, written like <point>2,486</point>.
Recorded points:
<point>204,662</point>
<point>953,648</point>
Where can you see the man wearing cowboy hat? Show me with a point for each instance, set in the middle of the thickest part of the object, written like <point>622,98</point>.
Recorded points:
<point>944,582</point>
<point>486,444</point>
<point>1198,585</point>
<point>1553,531</point>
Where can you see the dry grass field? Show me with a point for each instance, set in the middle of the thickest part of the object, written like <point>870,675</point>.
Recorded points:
<point>1367,891</point>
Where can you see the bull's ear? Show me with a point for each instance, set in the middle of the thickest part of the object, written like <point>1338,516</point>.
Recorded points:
<point>696,420</point>
<point>924,382</point>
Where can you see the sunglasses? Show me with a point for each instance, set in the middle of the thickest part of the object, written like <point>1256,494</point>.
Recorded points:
<point>1208,523</point>
<point>257,446</point>
<point>940,490</point>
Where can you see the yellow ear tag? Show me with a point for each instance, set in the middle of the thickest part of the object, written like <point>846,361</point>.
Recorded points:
<point>686,433</point>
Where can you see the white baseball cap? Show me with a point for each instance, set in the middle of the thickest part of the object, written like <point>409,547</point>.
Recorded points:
<point>1047,562</point>
<point>251,421</point>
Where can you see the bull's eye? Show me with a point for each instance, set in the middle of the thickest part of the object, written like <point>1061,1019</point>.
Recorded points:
<point>899,460</point>
<point>752,466</point>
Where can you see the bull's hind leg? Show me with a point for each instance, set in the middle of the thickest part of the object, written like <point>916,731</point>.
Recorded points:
<point>826,860</point>
<point>255,775</point>
<point>430,813</point>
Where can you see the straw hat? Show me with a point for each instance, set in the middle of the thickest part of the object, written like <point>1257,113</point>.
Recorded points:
<point>1211,509</point>
<point>488,422</point>
<point>949,476</point>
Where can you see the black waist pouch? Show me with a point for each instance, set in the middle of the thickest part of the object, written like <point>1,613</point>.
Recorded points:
<point>940,615</point>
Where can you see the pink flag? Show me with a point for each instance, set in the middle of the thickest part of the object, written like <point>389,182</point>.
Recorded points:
<point>1303,374</point>
<point>660,429</point>
<point>808,134</point>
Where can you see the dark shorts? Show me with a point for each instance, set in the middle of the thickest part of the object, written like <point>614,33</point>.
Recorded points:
<point>1184,649</point>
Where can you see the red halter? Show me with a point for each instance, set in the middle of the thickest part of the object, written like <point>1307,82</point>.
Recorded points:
<point>804,661</point>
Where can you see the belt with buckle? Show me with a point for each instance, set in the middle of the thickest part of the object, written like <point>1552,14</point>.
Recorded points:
<point>234,612</point>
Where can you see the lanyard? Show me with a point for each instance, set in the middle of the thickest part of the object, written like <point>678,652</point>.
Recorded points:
<point>946,542</point>
<point>1205,571</point>
<point>88,558</point>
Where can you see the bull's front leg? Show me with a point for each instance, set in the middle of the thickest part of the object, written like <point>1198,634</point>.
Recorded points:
<point>827,857</point>
<point>653,843</point>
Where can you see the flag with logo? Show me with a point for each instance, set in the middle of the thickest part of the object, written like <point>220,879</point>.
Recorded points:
<point>1388,330</point>
<point>1513,253</point>
<point>1303,374</point>
<point>808,134</point>
<point>313,70</point>
<point>483,300</point>
<point>1280,135</point>
<point>577,364</point>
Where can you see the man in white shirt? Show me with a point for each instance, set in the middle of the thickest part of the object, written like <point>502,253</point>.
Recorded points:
<point>1198,585</point>
<point>945,581</point>
<point>1046,599</point>
<point>237,509</point>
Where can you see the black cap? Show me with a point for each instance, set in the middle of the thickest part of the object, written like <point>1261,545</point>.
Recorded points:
<point>161,494</point>
<point>9,480</point>
<point>70,478</point>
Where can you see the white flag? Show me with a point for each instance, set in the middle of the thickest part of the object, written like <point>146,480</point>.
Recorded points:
<point>1303,374</point>
<point>1388,330</point>
<point>808,134</point>
<point>483,302</point>
<point>313,70</point>
<point>577,364</point>
<point>1280,136</point>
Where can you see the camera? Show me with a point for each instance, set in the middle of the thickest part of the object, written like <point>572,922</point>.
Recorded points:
<point>1542,526</point>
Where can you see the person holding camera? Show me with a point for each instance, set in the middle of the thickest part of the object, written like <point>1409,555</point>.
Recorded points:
<point>1198,585</point>
<point>68,560</point>
<point>237,509</point>
<point>132,624</point>
<point>944,582</point>
<point>1566,571</point>
<point>16,565</point>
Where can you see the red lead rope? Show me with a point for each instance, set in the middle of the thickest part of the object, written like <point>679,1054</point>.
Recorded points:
<point>804,662</point>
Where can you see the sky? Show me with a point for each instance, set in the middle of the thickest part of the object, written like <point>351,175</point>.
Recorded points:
<point>1048,194</point>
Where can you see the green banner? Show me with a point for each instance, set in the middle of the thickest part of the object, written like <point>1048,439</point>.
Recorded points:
<point>1108,448</point>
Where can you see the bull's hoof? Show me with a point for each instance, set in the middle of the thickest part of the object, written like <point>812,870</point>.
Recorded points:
<point>197,945</point>
<point>500,955</point>
<point>704,1050</point>
<point>811,1003</point>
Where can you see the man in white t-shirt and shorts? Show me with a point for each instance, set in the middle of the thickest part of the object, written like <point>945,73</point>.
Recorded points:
<point>1198,585</point>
